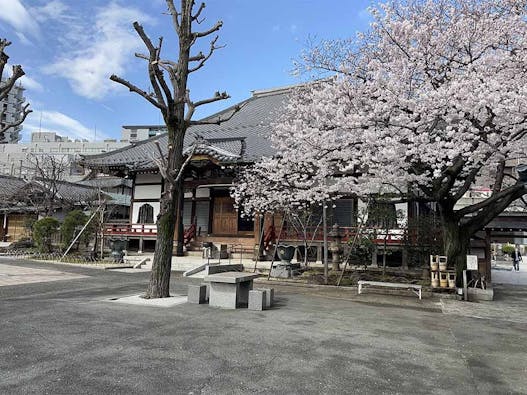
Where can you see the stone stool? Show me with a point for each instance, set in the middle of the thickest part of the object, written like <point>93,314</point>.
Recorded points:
<point>269,297</point>
<point>197,294</point>
<point>257,299</point>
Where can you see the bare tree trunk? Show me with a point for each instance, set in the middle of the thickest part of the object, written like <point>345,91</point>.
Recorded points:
<point>159,285</point>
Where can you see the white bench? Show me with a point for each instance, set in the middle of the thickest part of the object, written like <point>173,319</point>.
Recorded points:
<point>415,288</point>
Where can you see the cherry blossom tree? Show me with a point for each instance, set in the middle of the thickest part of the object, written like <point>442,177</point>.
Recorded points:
<point>171,95</point>
<point>430,102</point>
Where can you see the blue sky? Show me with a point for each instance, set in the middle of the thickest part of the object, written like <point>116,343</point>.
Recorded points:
<point>68,49</point>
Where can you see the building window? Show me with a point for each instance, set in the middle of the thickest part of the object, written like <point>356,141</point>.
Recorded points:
<point>382,215</point>
<point>146,214</point>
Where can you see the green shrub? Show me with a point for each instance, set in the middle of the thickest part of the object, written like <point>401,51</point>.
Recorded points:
<point>73,222</point>
<point>43,231</point>
<point>507,249</point>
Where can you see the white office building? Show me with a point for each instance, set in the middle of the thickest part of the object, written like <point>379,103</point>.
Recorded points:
<point>20,159</point>
<point>10,110</point>
<point>133,133</point>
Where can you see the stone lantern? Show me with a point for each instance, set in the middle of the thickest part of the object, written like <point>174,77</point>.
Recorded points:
<point>335,247</point>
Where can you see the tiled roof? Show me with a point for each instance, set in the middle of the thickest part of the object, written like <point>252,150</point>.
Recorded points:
<point>9,186</point>
<point>243,138</point>
<point>13,190</point>
<point>73,193</point>
<point>107,182</point>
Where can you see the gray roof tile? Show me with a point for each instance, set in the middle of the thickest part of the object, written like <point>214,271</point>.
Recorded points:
<point>244,136</point>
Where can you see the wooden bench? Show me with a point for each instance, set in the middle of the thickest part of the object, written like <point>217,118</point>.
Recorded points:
<point>415,288</point>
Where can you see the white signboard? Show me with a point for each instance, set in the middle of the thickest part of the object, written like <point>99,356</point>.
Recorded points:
<point>472,262</point>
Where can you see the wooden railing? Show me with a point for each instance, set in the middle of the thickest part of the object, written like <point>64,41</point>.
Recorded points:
<point>395,236</point>
<point>120,229</point>
<point>130,229</point>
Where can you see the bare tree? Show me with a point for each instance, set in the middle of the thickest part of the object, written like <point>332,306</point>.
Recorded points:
<point>173,100</point>
<point>45,172</point>
<point>6,84</point>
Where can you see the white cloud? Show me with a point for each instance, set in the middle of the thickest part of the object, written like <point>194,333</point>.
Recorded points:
<point>106,48</point>
<point>15,14</point>
<point>52,10</point>
<point>31,84</point>
<point>27,82</point>
<point>62,124</point>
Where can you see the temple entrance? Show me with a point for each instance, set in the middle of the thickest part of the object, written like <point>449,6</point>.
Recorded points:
<point>224,217</point>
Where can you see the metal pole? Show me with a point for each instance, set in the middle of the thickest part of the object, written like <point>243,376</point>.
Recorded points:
<point>80,233</point>
<point>276,246</point>
<point>261,226</point>
<point>325,232</point>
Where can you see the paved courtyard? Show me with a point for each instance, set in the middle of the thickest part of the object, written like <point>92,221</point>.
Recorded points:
<point>67,336</point>
<point>16,275</point>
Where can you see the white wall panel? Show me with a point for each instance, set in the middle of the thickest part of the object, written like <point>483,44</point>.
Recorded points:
<point>147,192</point>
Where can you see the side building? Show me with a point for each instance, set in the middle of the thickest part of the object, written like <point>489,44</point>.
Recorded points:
<point>51,150</point>
<point>10,112</point>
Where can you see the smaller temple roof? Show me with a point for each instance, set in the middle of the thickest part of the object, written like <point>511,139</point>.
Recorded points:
<point>18,192</point>
<point>107,182</point>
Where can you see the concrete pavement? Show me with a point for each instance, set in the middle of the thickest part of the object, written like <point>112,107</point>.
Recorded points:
<point>66,337</point>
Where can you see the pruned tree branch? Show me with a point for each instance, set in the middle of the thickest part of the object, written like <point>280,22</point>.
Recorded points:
<point>219,120</point>
<point>25,112</point>
<point>198,12</point>
<point>138,90</point>
<point>202,58</point>
<point>175,15</point>
<point>154,73</point>
<point>213,29</point>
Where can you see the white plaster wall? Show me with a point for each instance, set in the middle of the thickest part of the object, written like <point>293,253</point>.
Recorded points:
<point>144,178</point>
<point>147,192</point>
<point>203,192</point>
<point>137,205</point>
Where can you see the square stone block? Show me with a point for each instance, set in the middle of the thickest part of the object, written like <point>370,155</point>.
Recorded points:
<point>269,297</point>
<point>257,299</point>
<point>197,294</point>
<point>223,295</point>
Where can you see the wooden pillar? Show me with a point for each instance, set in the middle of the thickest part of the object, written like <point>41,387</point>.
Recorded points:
<point>488,256</point>
<point>193,219</point>
<point>180,232</point>
<point>374,257</point>
<point>4,228</point>
<point>405,257</point>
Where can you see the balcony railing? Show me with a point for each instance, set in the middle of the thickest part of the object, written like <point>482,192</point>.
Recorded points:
<point>130,229</point>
